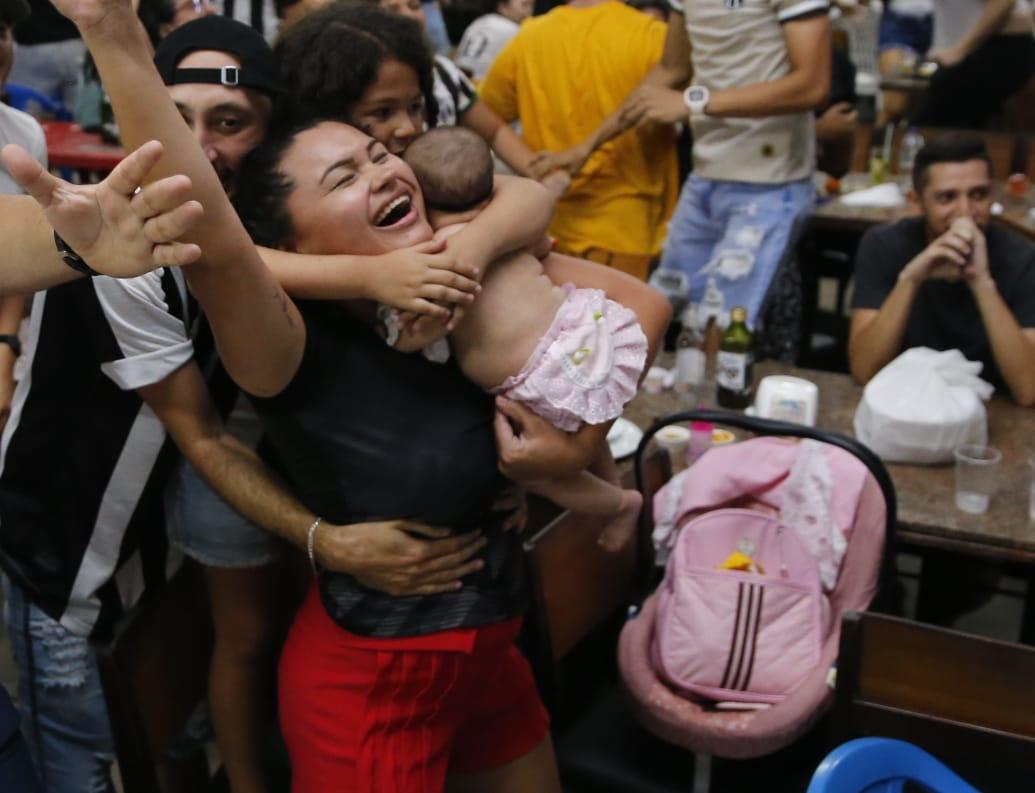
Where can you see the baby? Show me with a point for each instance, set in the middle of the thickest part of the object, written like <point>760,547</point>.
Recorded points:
<point>571,355</point>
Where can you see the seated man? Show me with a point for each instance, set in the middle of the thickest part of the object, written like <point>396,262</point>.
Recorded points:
<point>948,279</point>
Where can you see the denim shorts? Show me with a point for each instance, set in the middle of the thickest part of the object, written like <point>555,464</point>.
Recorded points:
<point>729,238</point>
<point>206,529</point>
<point>905,32</point>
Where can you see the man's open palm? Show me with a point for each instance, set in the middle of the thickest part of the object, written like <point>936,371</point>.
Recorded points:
<point>117,229</point>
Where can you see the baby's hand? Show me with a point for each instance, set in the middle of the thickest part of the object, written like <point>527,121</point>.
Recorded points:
<point>543,248</point>
<point>417,331</point>
<point>422,278</point>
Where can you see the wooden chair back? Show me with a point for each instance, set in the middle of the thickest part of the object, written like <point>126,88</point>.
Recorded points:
<point>154,673</point>
<point>577,586</point>
<point>967,699</point>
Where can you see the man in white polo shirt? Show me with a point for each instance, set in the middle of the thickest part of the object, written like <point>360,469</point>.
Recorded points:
<point>759,68</point>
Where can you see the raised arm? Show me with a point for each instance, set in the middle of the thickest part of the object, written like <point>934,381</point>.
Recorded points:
<point>420,279</point>
<point>517,217</point>
<point>427,272</point>
<point>116,230</point>
<point>258,330</point>
<point>503,140</point>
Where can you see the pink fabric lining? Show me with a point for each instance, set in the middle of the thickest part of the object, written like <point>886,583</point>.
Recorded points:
<point>755,474</point>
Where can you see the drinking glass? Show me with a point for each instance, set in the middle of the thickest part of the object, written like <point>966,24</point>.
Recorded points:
<point>976,468</point>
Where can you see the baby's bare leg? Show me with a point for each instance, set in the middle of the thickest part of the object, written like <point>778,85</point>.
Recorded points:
<point>589,494</point>
<point>606,468</point>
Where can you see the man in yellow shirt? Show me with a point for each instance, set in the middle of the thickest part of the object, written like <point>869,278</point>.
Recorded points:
<point>561,76</point>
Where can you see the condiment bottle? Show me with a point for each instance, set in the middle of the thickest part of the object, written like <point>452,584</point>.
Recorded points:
<point>690,358</point>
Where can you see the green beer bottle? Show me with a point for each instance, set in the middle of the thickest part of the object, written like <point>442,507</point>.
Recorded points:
<point>736,363</point>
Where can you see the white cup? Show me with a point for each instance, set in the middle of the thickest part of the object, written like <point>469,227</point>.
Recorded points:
<point>787,398</point>
<point>675,438</point>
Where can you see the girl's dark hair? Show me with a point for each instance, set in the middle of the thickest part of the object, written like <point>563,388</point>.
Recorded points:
<point>261,189</point>
<point>332,55</point>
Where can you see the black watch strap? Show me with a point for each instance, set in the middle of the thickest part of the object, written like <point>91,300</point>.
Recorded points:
<point>13,342</point>
<point>71,258</point>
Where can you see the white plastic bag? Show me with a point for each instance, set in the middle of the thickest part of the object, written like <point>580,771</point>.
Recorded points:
<point>922,405</point>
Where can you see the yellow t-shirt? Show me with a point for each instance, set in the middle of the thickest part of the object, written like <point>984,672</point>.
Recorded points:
<point>563,74</point>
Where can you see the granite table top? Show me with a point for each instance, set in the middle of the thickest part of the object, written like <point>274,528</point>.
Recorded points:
<point>927,514</point>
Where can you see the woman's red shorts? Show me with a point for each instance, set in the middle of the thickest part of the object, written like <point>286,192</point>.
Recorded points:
<point>398,715</point>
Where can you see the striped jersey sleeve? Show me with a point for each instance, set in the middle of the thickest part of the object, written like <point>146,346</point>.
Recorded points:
<point>144,316</point>
<point>454,91</point>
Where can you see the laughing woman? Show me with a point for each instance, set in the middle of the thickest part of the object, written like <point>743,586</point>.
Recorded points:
<point>379,691</point>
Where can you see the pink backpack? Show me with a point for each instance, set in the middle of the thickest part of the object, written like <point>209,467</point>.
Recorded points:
<point>739,636</point>
<point>727,635</point>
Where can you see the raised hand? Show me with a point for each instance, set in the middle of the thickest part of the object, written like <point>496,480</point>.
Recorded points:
<point>975,271</point>
<point>118,229</point>
<point>946,258</point>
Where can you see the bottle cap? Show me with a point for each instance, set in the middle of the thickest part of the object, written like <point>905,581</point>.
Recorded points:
<point>739,314</point>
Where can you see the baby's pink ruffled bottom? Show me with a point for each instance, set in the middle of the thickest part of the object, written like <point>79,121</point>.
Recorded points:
<point>587,366</point>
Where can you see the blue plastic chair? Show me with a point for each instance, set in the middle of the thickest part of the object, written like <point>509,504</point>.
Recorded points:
<point>21,97</point>
<point>883,765</point>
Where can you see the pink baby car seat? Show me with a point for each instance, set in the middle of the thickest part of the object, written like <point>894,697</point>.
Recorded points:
<point>691,722</point>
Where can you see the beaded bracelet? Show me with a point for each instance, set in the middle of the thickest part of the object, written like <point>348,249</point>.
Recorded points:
<point>310,543</point>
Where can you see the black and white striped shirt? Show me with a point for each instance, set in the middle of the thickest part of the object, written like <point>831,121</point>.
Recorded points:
<point>83,458</point>
<point>454,92</point>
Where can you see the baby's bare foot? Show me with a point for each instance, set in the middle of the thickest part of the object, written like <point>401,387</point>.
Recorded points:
<point>622,526</point>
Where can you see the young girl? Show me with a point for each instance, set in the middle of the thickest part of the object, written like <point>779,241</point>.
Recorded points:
<point>571,355</point>
<point>372,68</point>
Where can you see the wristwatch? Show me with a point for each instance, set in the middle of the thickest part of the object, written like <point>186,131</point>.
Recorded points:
<point>71,258</point>
<point>696,99</point>
<point>13,342</point>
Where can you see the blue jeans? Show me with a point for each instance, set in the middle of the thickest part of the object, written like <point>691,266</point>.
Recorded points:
<point>730,237</point>
<point>59,691</point>
<point>16,771</point>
